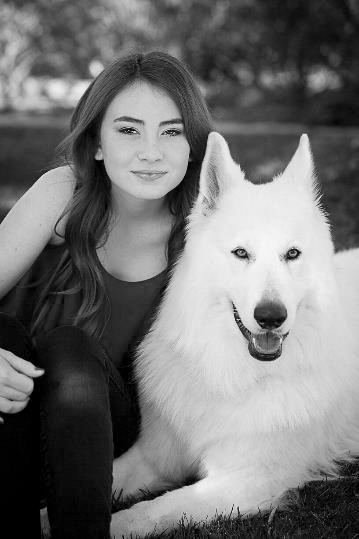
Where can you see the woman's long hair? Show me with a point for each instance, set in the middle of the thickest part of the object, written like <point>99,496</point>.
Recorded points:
<point>89,214</point>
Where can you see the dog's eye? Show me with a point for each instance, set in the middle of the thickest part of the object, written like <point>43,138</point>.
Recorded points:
<point>292,254</point>
<point>240,253</point>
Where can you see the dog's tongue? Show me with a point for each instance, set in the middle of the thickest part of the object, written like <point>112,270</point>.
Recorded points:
<point>265,346</point>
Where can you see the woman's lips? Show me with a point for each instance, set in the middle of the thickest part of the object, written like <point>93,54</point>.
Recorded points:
<point>149,175</point>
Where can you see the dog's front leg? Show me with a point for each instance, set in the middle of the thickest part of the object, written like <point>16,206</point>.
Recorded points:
<point>132,473</point>
<point>199,502</point>
<point>156,462</point>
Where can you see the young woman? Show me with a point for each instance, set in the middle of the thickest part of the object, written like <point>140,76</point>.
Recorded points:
<point>85,254</point>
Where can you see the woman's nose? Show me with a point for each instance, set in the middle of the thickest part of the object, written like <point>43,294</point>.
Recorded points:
<point>150,151</point>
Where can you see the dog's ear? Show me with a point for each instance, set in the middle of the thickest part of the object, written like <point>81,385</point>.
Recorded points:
<point>301,166</point>
<point>216,173</point>
<point>301,172</point>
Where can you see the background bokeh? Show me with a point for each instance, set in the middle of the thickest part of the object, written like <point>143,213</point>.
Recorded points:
<point>269,71</point>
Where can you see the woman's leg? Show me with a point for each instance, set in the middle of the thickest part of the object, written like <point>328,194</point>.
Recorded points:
<point>19,449</point>
<point>77,404</point>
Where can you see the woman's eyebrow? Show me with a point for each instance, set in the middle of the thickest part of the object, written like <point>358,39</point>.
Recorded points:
<point>141,122</point>
<point>174,121</point>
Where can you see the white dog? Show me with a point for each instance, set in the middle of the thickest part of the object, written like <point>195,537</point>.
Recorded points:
<point>249,377</point>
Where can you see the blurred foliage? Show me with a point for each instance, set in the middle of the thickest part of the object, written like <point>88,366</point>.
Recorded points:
<point>62,38</point>
<point>275,46</point>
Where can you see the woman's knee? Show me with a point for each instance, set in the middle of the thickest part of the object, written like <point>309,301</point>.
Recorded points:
<point>69,345</point>
<point>75,376</point>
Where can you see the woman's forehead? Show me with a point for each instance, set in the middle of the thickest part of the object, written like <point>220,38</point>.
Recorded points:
<point>143,100</point>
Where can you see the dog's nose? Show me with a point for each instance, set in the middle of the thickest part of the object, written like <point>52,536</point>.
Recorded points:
<point>270,314</point>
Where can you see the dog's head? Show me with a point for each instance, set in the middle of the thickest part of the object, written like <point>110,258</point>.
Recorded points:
<point>266,248</point>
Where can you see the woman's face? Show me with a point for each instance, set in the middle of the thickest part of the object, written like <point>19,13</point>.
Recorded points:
<point>142,142</point>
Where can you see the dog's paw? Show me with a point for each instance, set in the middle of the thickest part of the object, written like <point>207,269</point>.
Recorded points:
<point>128,524</point>
<point>135,522</point>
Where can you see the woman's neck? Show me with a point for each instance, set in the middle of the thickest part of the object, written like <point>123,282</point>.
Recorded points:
<point>136,244</point>
<point>130,210</point>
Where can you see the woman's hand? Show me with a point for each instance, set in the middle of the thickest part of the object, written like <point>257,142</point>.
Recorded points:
<point>16,382</point>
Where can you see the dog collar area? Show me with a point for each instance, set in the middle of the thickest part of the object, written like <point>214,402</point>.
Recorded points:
<point>265,346</point>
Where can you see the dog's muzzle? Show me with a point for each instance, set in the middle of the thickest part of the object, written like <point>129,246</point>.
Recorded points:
<point>264,346</point>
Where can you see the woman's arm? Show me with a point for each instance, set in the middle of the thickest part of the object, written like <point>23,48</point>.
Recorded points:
<point>29,225</point>
<point>24,232</point>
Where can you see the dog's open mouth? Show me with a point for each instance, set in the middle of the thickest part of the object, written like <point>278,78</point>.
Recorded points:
<point>266,345</point>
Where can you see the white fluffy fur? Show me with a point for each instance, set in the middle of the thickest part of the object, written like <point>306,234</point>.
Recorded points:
<point>250,429</point>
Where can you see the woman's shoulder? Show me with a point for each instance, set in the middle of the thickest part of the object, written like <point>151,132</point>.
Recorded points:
<point>37,212</point>
<point>59,181</point>
<point>44,202</point>
<point>55,189</point>
<point>29,226</point>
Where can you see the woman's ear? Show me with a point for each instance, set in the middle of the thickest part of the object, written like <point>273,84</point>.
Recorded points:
<point>99,154</point>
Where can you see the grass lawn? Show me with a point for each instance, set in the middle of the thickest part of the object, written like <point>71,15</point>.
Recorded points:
<point>324,510</point>
<point>320,510</point>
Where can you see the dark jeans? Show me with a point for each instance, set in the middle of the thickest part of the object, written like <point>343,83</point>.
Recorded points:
<point>87,419</point>
<point>19,450</point>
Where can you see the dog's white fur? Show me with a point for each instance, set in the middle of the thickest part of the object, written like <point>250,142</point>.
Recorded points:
<point>249,429</point>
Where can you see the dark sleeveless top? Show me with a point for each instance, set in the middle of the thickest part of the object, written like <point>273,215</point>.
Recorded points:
<point>132,305</point>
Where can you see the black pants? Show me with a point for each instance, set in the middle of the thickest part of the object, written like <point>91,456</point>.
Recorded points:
<point>87,418</point>
<point>19,450</point>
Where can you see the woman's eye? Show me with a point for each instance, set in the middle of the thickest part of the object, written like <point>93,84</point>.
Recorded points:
<point>173,132</point>
<point>128,130</point>
<point>240,253</point>
<point>292,254</point>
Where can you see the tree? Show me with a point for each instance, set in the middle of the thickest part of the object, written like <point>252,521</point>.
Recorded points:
<point>61,38</point>
<point>225,42</point>
<point>19,27</point>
